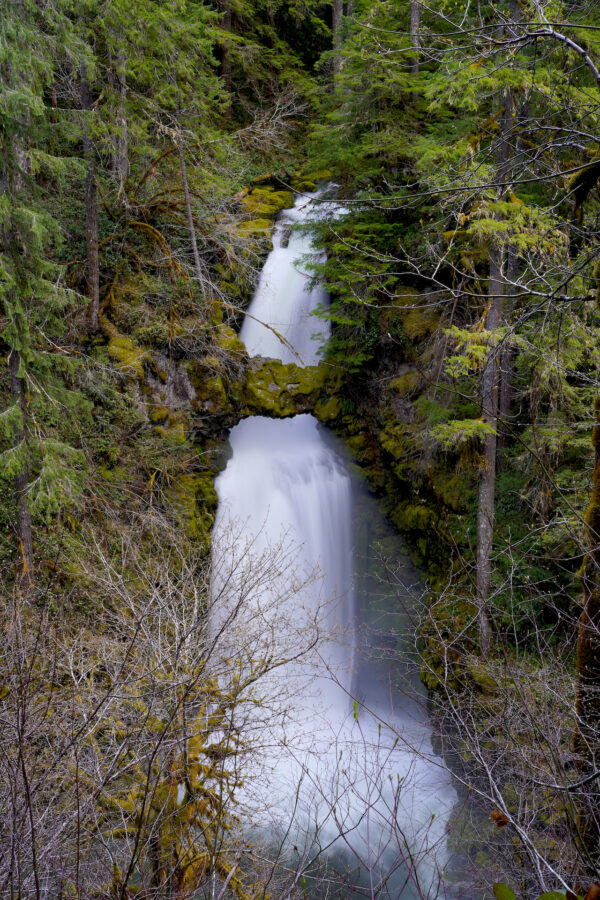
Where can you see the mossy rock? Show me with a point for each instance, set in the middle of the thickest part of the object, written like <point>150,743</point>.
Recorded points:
<point>269,181</point>
<point>304,187</point>
<point>226,338</point>
<point>156,334</point>
<point>264,201</point>
<point>159,414</point>
<point>406,384</point>
<point>255,228</point>
<point>208,384</point>
<point>419,317</point>
<point>128,356</point>
<point>362,448</point>
<point>453,489</point>
<point>394,441</point>
<point>327,411</point>
<point>273,388</point>
<point>195,502</point>
<point>174,428</point>
<point>410,516</point>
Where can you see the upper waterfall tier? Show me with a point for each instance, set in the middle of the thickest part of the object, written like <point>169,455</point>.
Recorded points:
<point>284,299</point>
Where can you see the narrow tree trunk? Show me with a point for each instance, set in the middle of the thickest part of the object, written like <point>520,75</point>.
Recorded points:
<point>190,218</point>
<point>507,356</point>
<point>337,19</point>
<point>415,22</point>
<point>487,481</point>
<point>121,158</point>
<point>91,216</point>
<point>24,526</point>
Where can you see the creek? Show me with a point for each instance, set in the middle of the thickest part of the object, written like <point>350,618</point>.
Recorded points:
<point>346,773</point>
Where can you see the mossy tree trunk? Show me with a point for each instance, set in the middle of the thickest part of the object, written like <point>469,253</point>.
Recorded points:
<point>490,394</point>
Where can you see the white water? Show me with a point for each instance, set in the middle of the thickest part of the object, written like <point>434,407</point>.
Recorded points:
<point>361,775</point>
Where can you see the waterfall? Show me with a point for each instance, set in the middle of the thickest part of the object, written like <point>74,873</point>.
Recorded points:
<point>342,762</point>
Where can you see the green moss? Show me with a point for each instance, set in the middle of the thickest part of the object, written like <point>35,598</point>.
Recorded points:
<point>318,175</point>
<point>229,341</point>
<point>125,352</point>
<point>406,384</point>
<point>128,356</point>
<point>264,201</point>
<point>273,388</point>
<point>156,334</point>
<point>174,428</point>
<point>260,228</point>
<point>453,489</point>
<point>361,448</point>
<point>328,410</point>
<point>393,440</point>
<point>410,516</point>
<point>418,323</point>
<point>304,186</point>
<point>195,501</point>
<point>159,414</point>
<point>482,678</point>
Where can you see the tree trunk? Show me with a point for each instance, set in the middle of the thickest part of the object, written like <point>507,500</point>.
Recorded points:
<point>190,218</point>
<point>337,18</point>
<point>487,481</point>
<point>91,216</point>
<point>24,526</point>
<point>415,22</point>
<point>121,157</point>
<point>507,355</point>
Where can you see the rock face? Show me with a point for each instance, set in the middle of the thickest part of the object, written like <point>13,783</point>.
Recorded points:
<point>261,387</point>
<point>273,388</point>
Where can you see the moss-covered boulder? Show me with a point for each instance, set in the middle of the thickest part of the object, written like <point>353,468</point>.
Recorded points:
<point>328,409</point>
<point>264,202</point>
<point>207,380</point>
<point>194,501</point>
<point>125,353</point>
<point>277,389</point>
<point>304,186</point>
<point>256,228</point>
<point>230,343</point>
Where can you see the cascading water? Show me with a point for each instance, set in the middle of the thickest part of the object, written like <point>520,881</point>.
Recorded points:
<point>344,763</point>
